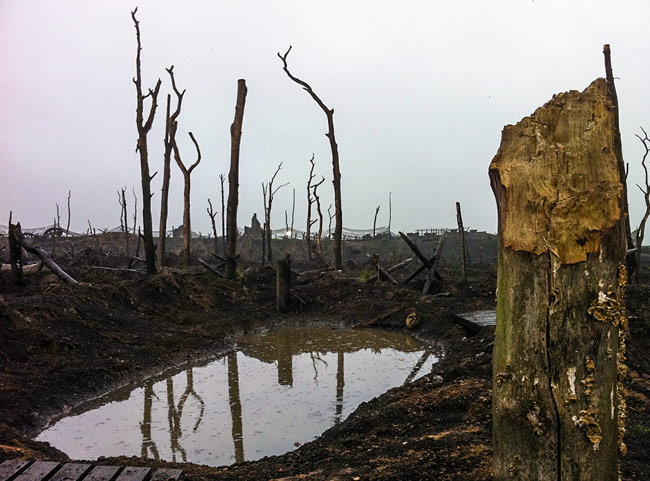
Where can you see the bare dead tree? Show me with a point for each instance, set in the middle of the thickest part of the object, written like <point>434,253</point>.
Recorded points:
<point>170,118</point>
<point>212,214</point>
<point>336,178</point>
<point>264,190</point>
<point>67,226</point>
<point>57,223</point>
<point>293,212</point>
<point>54,239</point>
<point>463,247</point>
<point>390,211</point>
<point>264,243</point>
<point>331,216</point>
<point>310,201</point>
<point>640,231</point>
<point>222,178</point>
<point>187,172</point>
<point>144,126</point>
<point>121,197</point>
<point>15,253</point>
<point>319,236</point>
<point>233,180</point>
<point>374,222</point>
<point>135,209</point>
<point>269,193</point>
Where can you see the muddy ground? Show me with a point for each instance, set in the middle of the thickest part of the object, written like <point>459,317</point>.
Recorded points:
<point>61,345</point>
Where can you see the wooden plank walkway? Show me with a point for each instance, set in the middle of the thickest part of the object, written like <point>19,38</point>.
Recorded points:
<point>476,320</point>
<point>20,470</point>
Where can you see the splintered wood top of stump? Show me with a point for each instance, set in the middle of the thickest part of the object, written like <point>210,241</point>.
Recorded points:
<point>557,176</point>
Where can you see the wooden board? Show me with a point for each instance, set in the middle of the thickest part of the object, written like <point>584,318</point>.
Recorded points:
<point>102,473</point>
<point>10,468</point>
<point>20,470</point>
<point>71,472</point>
<point>476,320</point>
<point>37,471</point>
<point>133,474</point>
<point>165,474</point>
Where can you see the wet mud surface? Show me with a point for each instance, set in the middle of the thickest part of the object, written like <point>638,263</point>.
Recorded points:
<point>61,345</point>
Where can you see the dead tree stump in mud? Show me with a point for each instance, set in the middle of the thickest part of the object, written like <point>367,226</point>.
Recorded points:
<point>15,254</point>
<point>283,284</point>
<point>558,406</point>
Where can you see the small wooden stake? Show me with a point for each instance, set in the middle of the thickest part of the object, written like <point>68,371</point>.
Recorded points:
<point>283,284</point>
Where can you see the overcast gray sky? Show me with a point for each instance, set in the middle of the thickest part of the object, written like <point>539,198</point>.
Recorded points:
<point>421,91</point>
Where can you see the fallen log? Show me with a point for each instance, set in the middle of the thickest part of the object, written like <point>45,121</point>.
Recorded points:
<point>374,259</point>
<point>42,255</point>
<point>117,269</point>
<point>391,269</point>
<point>379,318</point>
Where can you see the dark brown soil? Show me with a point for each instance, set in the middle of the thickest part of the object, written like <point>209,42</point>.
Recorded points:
<point>63,344</point>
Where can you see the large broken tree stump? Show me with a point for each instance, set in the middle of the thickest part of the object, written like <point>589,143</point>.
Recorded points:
<point>558,408</point>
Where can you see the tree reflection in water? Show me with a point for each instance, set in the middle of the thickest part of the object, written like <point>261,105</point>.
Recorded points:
<point>293,382</point>
<point>340,383</point>
<point>174,416</point>
<point>145,426</point>
<point>235,407</point>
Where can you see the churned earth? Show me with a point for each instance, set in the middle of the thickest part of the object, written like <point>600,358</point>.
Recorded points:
<point>61,345</point>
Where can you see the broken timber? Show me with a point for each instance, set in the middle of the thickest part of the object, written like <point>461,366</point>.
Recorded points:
<point>397,266</point>
<point>45,258</point>
<point>23,470</point>
<point>475,321</point>
<point>428,264</point>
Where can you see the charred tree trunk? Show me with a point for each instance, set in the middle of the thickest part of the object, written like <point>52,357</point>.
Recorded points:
<point>374,222</point>
<point>310,201</point>
<point>390,211</point>
<point>212,215</point>
<point>640,231</point>
<point>124,217</point>
<point>15,254</point>
<point>164,193</point>
<point>319,236</point>
<point>283,284</point>
<point>143,129</point>
<point>169,141</point>
<point>293,213</point>
<point>67,225</point>
<point>222,178</point>
<point>463,247</point>
<point>336,171</point>
<point>558,406</point>
<point>264,244</point>
<point>233,181</point>
<point>187,172</point>
<point>269,192</point>
<point>135,209</point>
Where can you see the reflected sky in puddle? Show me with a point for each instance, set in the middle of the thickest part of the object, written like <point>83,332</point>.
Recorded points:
<point>278,390</point>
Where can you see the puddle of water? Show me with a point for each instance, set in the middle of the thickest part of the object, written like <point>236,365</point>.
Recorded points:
<point>276,391</point>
